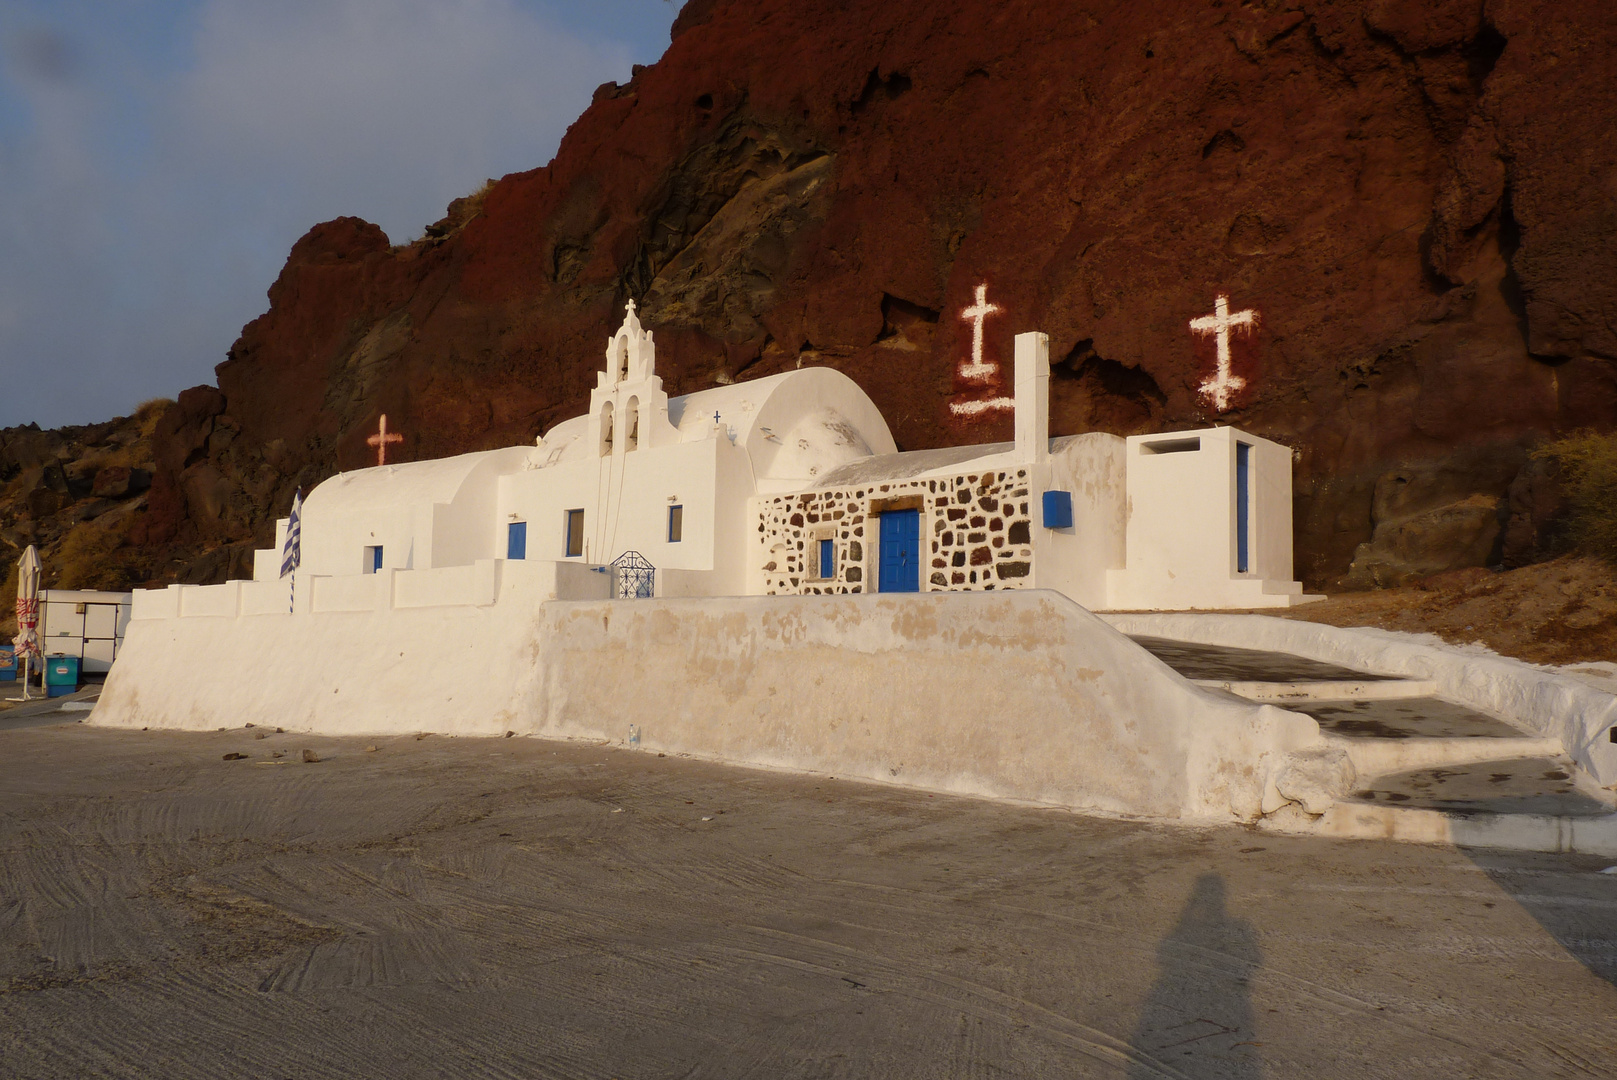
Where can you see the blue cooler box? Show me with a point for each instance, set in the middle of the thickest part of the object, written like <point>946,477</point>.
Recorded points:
<point>61,675</point>
<point>8,663</point>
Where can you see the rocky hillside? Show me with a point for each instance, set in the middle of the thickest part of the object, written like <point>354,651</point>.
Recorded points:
<point>76,492</point>
<point>1418,201</point>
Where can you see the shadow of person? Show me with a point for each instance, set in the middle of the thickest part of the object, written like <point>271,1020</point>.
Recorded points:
<point>1197,1020</point>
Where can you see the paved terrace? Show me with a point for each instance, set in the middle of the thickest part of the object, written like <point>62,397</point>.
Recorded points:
<point>515,907</point>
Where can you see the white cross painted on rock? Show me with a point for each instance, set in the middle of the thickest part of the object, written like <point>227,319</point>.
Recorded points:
<point>380,440</point>
<point>977,408</point>
<point>977,314</point>
<point>978,369</point>
<point>1219,387</point>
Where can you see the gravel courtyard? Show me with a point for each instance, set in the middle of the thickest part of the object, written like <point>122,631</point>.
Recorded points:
<point>434,907</point>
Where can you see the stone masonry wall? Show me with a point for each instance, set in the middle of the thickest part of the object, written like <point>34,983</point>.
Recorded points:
<point>976,534</point>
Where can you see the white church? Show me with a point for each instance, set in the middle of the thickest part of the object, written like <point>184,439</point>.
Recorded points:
<point>753,574</point>
<point>792,485</point>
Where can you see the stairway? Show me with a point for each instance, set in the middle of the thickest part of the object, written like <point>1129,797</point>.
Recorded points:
<point>1428,769</point>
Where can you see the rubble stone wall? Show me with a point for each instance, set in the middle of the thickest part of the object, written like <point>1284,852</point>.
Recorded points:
<point>976,534</point>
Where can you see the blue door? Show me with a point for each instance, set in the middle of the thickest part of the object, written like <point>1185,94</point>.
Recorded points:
<point>516,540</point>
<point>900,569</point>
<point>1243,507</point>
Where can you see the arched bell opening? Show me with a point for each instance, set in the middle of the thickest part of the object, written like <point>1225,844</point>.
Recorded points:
<point>606,429</point>
<point>632,422</point>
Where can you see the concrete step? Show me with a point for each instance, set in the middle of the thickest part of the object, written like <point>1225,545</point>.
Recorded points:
<point>1535,700</point>
<point>1528,803</point>
<point>1281,693</point>
<point>1429,768</point>
<point>1542,784</point>
<point>1374,759</point>
<point>1408,719</point>
<point>1222,663</point>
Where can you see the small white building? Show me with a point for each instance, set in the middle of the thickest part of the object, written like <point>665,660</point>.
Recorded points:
<point>1208,523</point>
<point>83,623</point>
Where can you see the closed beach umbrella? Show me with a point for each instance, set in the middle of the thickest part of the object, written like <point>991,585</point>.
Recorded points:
<point>27,639</point>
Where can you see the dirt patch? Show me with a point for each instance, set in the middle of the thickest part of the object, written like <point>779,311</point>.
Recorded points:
<point>1558,612</point>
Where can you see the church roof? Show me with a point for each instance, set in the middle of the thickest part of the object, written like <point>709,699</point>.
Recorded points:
<point>436,480</point>
<point>912,463</point>
<point>908,464</point>
<point>797,424</point>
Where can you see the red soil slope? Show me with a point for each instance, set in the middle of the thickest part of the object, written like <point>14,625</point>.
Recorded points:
<point>1417,199</point>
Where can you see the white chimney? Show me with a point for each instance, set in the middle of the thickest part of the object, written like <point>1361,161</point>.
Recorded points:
<point>1032,398</point>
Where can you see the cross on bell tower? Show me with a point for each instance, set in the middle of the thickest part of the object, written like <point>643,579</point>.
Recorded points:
<point>628,407</point>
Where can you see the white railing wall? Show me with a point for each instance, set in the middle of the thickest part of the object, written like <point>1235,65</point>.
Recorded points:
<point>479,584</point>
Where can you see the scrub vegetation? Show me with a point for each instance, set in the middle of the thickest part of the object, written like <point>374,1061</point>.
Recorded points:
<point>1588,465</point>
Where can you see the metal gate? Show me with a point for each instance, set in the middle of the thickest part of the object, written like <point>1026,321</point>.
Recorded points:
<point>633,577</point>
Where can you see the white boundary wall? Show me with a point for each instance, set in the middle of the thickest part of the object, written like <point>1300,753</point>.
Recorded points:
<point>1552,704</point>
<point>1021,696</point>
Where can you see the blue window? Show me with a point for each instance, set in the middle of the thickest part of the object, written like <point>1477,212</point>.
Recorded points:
<point>373,559</point>
<point>1243,508</point>
<point>676,524</point>
<point>516,540</point>
<point>1058,509</point>
<point>900,564</point>
<point>575,533</point>
<point>828,558</point>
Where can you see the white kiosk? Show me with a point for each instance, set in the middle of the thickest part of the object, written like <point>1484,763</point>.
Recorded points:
<point>82,623</point>
<point>1208,523</point>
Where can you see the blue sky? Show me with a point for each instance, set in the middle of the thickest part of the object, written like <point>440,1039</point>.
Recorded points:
<point>159,157</point>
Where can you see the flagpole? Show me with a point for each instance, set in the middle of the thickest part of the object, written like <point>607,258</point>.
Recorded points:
<point>292,551</point>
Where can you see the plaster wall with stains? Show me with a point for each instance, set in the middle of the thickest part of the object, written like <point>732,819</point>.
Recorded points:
<point>1014,694</point>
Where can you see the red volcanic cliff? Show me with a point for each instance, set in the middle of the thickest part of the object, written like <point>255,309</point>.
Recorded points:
<point>1417,201</point>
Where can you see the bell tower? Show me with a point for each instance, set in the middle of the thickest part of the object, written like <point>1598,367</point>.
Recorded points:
<point>628,407</point>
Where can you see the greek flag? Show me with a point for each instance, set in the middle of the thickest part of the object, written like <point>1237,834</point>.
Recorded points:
<point>292,554</point>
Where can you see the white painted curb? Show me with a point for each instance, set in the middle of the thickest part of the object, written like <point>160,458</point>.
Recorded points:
<point>1511,832</point>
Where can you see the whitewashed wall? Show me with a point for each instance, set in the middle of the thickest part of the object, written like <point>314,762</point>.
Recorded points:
<point>1075,561</point>
<point>637,493</point>
<point>423,514</point>
<point>1017,695</point>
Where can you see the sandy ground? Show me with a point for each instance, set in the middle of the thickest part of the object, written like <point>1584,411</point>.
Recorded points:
<point>519,908</point>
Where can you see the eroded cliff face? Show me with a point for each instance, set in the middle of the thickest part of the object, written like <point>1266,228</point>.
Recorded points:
<point>1418,201</point>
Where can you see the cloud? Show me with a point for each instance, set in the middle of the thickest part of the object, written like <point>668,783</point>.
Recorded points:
<point>41,53</point>
<point>332,97</point>
<point>144,212</point>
